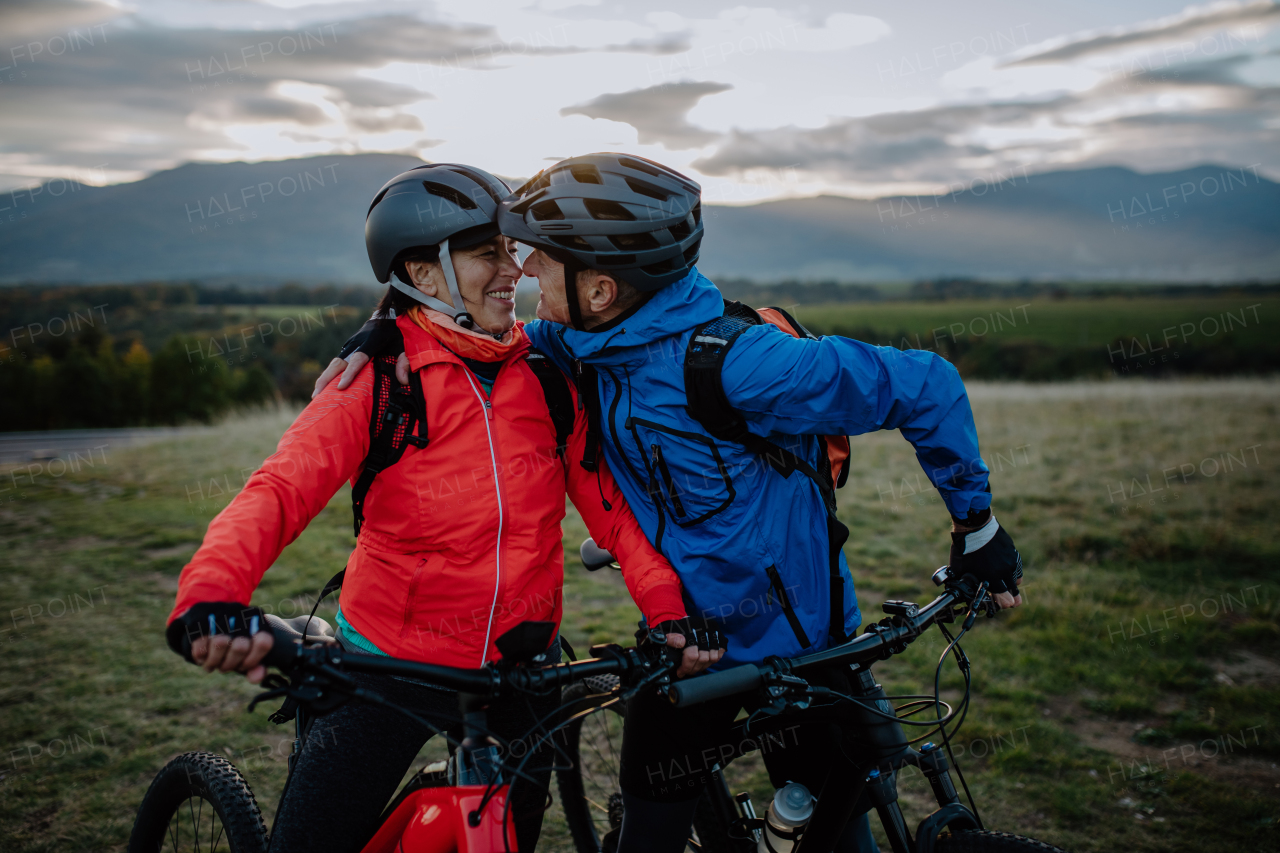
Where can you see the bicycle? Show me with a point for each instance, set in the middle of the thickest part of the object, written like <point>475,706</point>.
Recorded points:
<point>461,807</point>
<point>723,822</point>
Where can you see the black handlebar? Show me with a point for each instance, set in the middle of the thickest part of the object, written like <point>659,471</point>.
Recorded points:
<point>492,681</point>
<point>879,641</point>
<point>714,685</point>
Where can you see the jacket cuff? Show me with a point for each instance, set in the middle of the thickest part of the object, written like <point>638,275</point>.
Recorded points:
<point>662,603</point>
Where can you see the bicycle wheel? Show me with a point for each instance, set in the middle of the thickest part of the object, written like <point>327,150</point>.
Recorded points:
<point>986,841</point>
<point>590,793</point>
<point>199,801</point>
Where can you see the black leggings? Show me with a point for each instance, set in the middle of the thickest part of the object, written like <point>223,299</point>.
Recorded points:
<point>355,757</point>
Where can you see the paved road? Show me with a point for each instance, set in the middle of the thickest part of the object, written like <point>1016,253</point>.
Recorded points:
<point>25,447</point>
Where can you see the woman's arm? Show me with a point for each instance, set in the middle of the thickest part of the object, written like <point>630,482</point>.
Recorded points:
<point>653,584</point>
<point>323,448</point>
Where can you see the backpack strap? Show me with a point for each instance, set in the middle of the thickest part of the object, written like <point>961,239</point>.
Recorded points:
<point>555,388</point>
<point>398,413</point>
<point>708,405</point>
<point>587,380</point>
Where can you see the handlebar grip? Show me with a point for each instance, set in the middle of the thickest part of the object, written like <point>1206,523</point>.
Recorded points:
<point>284,651</point>
<point>704,688</point>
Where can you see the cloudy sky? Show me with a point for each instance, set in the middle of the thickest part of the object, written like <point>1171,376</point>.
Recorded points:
<point>754,101</point>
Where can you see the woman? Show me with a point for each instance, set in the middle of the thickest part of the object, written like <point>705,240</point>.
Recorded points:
<point>461,537</point>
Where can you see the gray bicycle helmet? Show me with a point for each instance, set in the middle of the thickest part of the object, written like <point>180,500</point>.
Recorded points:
<point>617,213</point>
<point>443,205</point>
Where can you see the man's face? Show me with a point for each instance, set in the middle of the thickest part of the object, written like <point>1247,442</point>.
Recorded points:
<point>552,304</point>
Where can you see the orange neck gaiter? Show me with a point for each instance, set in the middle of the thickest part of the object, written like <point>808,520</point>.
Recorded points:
<point>465,343</point>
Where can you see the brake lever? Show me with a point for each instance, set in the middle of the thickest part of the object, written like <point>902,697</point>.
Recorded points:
<point>317,688</point>
<point>976,605</point>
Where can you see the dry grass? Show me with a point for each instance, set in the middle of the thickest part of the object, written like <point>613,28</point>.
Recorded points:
<point>1081,696</point>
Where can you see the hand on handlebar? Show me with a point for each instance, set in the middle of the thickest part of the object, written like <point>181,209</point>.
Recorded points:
<point>694,660</point>
<point>982,548</point>
<point>703,644</point>
<point>242,654</point>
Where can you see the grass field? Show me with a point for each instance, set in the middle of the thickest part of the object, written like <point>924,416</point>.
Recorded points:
<point>1132,704</point>
<point>1196,320</point>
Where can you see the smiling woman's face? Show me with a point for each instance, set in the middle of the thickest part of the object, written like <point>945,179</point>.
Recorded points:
<point>487,275</point>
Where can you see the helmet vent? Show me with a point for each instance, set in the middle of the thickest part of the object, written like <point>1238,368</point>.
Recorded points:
<point>449,194</point>
<point>634,242</point>
<point>603,209</point>
<point>572,242</point>
<point>697,213</point>
<point>691,253</point>
<point>642,188</point>
<point>639,166</point>
<point>586,174</point>
<point>615,260</point>
<point>680,230</point>
<point>545,210</point>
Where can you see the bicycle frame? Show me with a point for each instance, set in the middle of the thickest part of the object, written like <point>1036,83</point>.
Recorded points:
<point>882,746</point>
<point>849,780</point>
<point>436,820</point>
<point>470,815</point>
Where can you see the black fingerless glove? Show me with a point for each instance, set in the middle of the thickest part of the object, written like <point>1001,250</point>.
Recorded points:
<point>988,554</point>
<point>210,618</point>
<point>704,634</point>
<point>376,337</point>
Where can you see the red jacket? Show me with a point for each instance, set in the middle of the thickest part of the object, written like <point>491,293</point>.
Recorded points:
<point>461,539</point>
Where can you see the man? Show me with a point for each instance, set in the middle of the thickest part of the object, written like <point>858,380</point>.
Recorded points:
<point>745,514</point>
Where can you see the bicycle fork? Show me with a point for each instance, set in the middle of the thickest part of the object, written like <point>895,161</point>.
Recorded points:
<point>884,745</point>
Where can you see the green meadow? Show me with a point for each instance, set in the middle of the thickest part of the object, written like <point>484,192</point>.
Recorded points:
<point>1130,704</point>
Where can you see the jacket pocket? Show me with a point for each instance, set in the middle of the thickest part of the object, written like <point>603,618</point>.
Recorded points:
<point>687,475</point>
<point>779,589</point>
<point>411,596</point>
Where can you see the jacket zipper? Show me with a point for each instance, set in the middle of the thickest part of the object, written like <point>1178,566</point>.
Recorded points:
<point>497,489</point>
<point>787,610</point>
<point>617,443</point>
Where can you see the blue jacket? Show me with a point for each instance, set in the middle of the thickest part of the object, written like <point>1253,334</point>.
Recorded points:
<point>732,527</point>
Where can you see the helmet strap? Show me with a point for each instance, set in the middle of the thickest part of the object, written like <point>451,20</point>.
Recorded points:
<point>456,310</point>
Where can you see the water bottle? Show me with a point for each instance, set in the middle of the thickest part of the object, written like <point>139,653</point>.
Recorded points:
<point>789,812</point>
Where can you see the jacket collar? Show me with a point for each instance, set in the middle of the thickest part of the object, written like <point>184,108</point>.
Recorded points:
<point>675,308</point>
<point>424,348</point>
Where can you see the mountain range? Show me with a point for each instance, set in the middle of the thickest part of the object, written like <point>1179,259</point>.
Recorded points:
<point>302,220</point>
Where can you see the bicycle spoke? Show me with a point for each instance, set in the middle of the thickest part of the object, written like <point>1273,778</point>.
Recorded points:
<point>173,835</point>
<point>199,817</point>
<point>214,846</point>
<point>195,830</point>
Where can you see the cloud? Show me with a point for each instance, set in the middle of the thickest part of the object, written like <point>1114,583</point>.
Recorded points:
<point>139,96</point>
<point>658,113</point>
<point>1146,121</point>
<point>1191,22</point>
